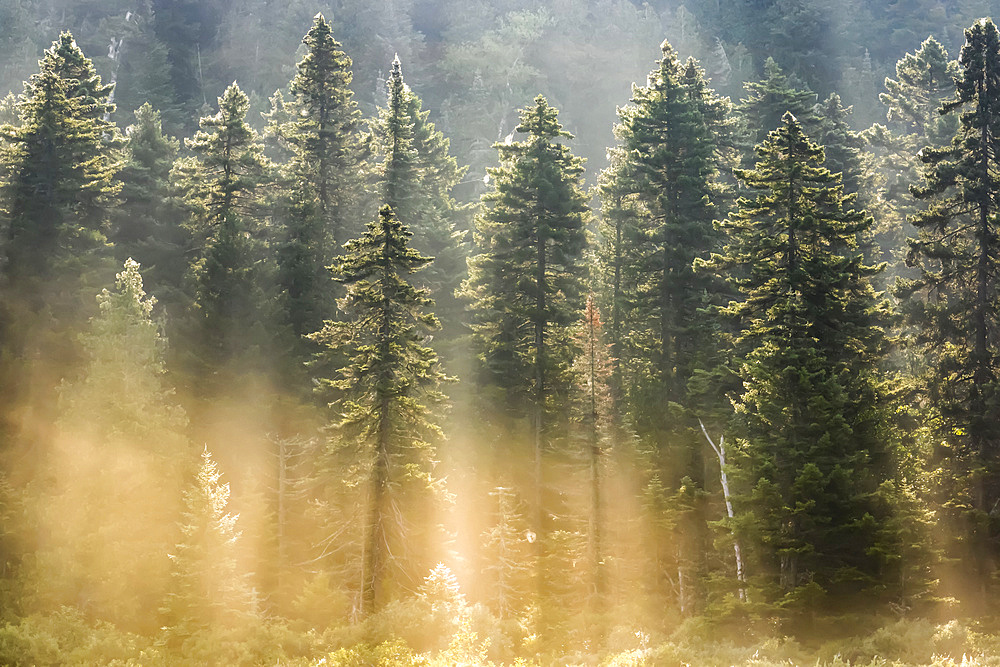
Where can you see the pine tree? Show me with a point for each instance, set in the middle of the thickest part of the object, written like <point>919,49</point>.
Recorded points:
<point>769,99</point>
<point>526,286</point>
<point>323,135</point>
<point>526,281</point>
<point>841,145</point>
<point>222,185</point>
<point>208,590</point>
<point>953,302</point>
<point>810,412</point>
<point>115,462</point>
<point>924,80</point>
<point>659,200</point>
<point>148,223</point>
<point>59,163</point>
<point>417,175</point>
<point>384,430</point>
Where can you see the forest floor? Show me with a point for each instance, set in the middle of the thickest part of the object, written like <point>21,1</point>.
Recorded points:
<point>66,638</point>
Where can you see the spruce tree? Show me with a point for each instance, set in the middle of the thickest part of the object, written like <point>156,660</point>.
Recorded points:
<point>147,226</point>
<point>222,185</point>
<point>526,286</point>
<point>953,302</point>
<point>208,590</point>
<point>658,200</point>
<point>116,465</point>
<point>924,80</point>
<point>810,412</point>
<point>384,432</point>
<point>59,163</point>
<point>769,99</point>
<point>322,133</point>
<point>526,281</point>
<point>417,175</point>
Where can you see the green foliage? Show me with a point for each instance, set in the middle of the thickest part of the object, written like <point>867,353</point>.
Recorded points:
<point>147,224</point>
<point>952,303</point>
<point>222,185</point>
<point>59,164</point>
<point>386,654</point>
<point>924,80</point>
<point>526,280</point>
<point>208,589</point>
<point>319,127</point>
<point>384,434</point>
<point>812,426</point>
<point>416,177</point>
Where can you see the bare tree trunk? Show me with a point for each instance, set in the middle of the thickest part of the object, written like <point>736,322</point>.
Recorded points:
<point>720,451</point>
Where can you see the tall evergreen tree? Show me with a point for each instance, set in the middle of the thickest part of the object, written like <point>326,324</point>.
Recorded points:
<point>147,226</point>
<point>954,301</point>
<point>924,80</point>
<point>59,163</point>
<point>526,286</point>
<point>385,433</point>
<point>810,416</point>
<point>221,184</point>
<point>526,281</point>
<point>659,209</point>
<point>323,135</point>
<point>417,176</point>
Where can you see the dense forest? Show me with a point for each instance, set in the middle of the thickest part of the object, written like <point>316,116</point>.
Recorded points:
<point>412,332</point>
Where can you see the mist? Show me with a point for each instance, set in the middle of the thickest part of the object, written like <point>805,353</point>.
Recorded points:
<point>406,332</point>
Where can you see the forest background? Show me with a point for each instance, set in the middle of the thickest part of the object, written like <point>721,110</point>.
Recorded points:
<point>258,445</point>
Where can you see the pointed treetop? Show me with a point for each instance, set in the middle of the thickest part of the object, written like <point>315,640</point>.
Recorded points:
<point>541,120</point>
<point>666,49</point>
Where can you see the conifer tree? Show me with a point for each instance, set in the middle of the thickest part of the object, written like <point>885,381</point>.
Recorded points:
<point>208,590</point>
<point>322,133</point>
<point>417,175</point>
<point>59,163</point>
<point>222,184</point>
<point>924,80</point>
<point>147,225</point>
<point>810,415</point>
<point>769,99</point>
<point>385,433</point>
<point>659,199</point>
<point>526,281</point>
<point>120,438</point>
<point>953,302</point>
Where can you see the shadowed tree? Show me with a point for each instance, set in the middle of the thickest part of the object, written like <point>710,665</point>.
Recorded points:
<point>810,414</point>
<point>953,303</point>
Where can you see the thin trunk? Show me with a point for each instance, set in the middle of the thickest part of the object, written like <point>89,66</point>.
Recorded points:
<point>282,507</point>
<point>981,374</point>
<point>375,552</point>
<point>595,469</point>
<point>720,451</point>
<point>540,309</point>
